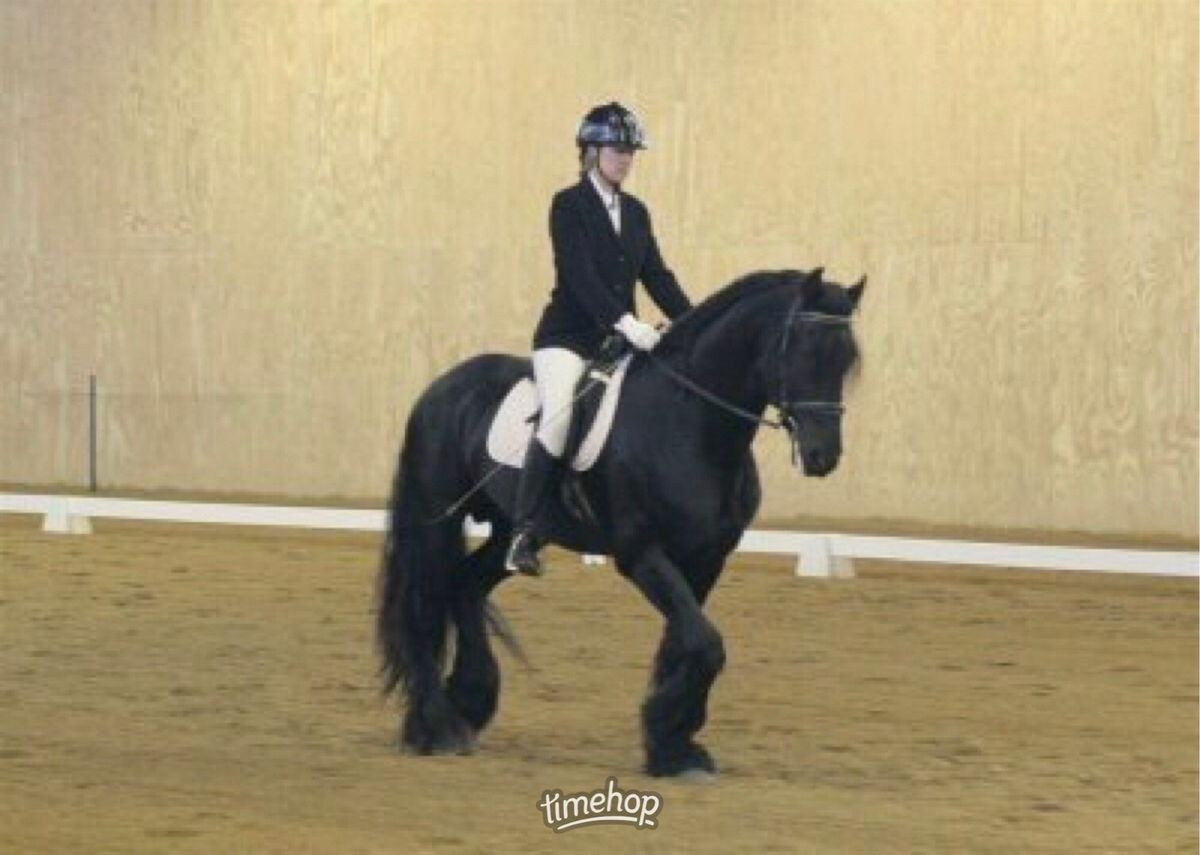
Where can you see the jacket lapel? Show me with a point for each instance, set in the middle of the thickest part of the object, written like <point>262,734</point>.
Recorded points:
<point>597,214</point>
<point>626,238</point>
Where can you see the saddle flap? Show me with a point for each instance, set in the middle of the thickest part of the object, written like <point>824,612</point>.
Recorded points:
<point>513,426</point>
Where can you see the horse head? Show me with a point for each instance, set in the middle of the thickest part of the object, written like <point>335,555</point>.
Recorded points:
<point>807,368</point>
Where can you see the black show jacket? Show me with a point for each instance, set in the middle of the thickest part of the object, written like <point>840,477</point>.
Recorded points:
<point>596,270</point>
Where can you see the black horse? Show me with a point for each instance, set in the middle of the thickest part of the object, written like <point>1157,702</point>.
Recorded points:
<point>670,496</point>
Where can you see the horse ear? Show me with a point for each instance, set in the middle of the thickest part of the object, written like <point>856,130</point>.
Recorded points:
<point>812,284</point>
<point>856,290</point>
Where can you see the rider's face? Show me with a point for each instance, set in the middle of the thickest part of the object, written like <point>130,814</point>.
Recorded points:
<point>615,162</point>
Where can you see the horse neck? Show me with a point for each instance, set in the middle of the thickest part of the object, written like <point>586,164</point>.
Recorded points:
<point>726,356</point>
<point>726,360</point>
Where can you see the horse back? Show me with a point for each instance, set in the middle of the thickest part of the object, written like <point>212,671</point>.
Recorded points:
<point>453,413</point>
<point>476,384</point>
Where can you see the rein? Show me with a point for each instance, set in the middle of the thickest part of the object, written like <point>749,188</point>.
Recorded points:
<point>712,398</point>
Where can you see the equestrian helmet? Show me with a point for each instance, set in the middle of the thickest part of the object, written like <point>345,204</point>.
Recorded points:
<point>611,124</point>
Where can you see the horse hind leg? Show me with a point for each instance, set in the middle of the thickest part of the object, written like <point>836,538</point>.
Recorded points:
<point>474,683</point>
<point>414,618</point>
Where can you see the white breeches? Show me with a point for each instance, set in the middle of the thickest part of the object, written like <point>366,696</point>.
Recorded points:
<point>556,370</point>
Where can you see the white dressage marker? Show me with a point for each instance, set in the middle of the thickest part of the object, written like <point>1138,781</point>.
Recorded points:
<point>60,520</point>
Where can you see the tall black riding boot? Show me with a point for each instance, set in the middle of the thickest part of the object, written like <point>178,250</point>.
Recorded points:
<point>537,477</point>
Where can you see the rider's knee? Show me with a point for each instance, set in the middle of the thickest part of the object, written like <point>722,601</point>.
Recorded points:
<point>553,438</point>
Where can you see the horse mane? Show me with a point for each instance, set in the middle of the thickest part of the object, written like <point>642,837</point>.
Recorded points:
<point>687,327</point>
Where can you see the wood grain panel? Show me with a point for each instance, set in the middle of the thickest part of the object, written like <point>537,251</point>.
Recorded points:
<point>267,226</point>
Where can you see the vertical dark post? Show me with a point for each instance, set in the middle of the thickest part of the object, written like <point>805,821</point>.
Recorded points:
<point>92,434</point>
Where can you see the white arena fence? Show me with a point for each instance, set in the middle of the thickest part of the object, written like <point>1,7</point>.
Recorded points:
<point>817,555</point>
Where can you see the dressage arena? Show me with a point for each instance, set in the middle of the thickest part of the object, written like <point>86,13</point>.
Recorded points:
<point>274,257</point>
<point>213,689</point>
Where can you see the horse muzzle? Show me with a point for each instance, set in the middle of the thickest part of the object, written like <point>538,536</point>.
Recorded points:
<point>815,461</point>
<point>818,465</point>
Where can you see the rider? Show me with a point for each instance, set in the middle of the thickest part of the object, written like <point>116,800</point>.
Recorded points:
<point>603,244</point>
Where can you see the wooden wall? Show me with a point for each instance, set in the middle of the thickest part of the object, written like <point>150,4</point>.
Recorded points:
<point>267,225</point>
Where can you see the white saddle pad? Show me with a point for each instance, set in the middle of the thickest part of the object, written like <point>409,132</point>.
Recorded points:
<point>511,430</point>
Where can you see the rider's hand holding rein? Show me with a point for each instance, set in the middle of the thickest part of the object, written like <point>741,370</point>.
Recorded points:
<point>640,334</point>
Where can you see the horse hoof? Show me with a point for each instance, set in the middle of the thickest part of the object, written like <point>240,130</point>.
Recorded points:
<point>461,747</point>
<point>696,776</point>
<point>461,744</point>
<point>695,764</point>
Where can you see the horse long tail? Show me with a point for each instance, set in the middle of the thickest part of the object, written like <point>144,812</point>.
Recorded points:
<point>420,562</point>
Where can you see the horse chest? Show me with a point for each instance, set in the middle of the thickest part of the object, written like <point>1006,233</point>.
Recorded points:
<point>710,503</point>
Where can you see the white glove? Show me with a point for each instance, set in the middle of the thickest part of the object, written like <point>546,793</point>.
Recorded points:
<point>640,334</point>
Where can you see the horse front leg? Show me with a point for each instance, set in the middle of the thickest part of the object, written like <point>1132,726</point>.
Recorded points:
<point>689,658</point>
<point>704,568</point>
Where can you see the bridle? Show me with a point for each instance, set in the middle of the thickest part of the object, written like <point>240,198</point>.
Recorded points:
<point>784,404</point>
<point>787,407</point>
